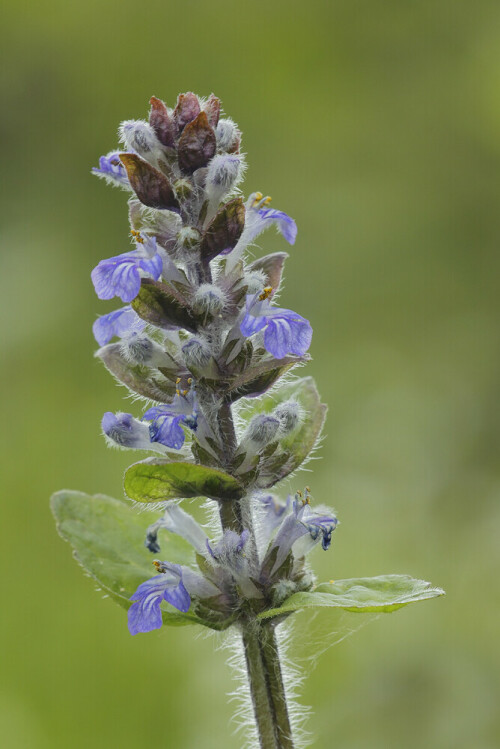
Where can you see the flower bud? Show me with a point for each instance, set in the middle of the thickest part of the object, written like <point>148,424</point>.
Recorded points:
<point>138,136</point>
<point>261,431</point>
<point>289,416</point>
<point>228,136</point>
<point>223,173</point>
<point>208,300</point>
<point>161,122</point>
<point>122,430</point>
<point>140,349</point>
<point>196,355</point>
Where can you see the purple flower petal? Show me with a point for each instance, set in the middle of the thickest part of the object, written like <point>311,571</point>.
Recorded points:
<point>252,325</point>
<point>125,431</point>
<point>145,614</point>
<point>120,276</point>
<point>166,420</point>
<point>166,428</point>
<point>286,331</point>
<point>284,223</point>
<point>259,218</point>
<point>112,169</point>
<point>119,323</point>
<point>299,532</point>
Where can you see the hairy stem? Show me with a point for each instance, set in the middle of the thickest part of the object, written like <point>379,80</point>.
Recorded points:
<point>259,639</point>
<point>266,686</point>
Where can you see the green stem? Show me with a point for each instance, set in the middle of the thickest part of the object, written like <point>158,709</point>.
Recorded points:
<point>259,639</point>
<point>266,686</point>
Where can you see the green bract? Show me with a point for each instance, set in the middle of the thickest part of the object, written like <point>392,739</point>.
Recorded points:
<point>376,595</point>
<point>163,306</point>
<point>141,380</point>
<point>157,481</point>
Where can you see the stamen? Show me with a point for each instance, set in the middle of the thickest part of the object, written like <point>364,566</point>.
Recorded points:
<point>160,566</point>
<point>183,388</point>
<point>137,236</point>
<point>267,200</point>
<point>266,293</point>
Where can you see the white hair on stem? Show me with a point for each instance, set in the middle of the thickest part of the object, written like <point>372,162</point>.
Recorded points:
<point>240,697</point>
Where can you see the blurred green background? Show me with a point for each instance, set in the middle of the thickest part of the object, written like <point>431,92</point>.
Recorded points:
<point>377,126</point>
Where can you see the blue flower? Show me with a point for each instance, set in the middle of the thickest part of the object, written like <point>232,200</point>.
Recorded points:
<point>145,614</point>
<point>166,426</point>
<point>166,420</point>
<point>119,323</point>
<point>177,521</point>
<point>285,332</point>
<point>259,218</point>
<point>229,556</point>
<point>300,530</point>
<point>121,275</point>
<point>125,431</point>
<point>112,169</point>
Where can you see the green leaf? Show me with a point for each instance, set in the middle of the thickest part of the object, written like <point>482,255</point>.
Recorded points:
<point>107,536</point>
<point>379,595</point>
<point>140,379</point>
<point>163,306</point>
<point>153,480</point>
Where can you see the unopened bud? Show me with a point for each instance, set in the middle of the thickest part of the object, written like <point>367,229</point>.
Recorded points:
<point>228,135</point>
<point>142,350</point>
<point>208,299</point>
<point>123,430</point>
<point>138,136</point>
<point>196,355</point>
<point>224,172</point>
<point>289,416</point>
<point>261,431</point>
